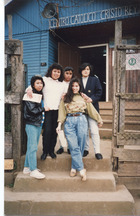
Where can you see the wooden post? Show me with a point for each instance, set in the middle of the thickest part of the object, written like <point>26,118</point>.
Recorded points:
<point>118,39</point>
<point>14,97</point>
<point>122,66</point>
<point>17,86</point>
<point>9,18</point>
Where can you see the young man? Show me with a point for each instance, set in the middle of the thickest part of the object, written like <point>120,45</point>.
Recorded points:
<point>92,92</point>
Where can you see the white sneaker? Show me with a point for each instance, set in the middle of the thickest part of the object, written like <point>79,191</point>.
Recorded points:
<point>36,174</point>
<point>26,170</point>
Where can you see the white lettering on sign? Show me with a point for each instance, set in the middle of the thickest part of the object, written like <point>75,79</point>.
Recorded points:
<point>95,16</point>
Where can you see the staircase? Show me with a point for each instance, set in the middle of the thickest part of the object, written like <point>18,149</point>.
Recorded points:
<point>60,194</point>
<point>132,118</point>
<point>106,113</point>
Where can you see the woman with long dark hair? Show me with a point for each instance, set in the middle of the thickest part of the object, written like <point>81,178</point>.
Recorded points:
<point>72,112</point>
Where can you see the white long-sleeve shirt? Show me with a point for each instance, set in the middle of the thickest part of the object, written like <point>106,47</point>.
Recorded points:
<point>52,93</point>
<point>66,84</point>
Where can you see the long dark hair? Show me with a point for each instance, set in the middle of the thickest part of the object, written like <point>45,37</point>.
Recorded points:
<point>69,96</point>
<point>55,66</point>
<point>83,66</point>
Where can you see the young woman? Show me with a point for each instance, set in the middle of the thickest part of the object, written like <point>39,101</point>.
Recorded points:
<point>33,118</point>
<point>91,87</point>
<point>52,94</point>
<point>72,111</point>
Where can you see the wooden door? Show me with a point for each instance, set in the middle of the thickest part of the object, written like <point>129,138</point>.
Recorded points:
<point>69,56</point>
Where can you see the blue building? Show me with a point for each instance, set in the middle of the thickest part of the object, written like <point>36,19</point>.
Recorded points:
<point>72,32</point>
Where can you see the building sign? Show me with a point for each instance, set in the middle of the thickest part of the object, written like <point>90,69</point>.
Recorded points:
<point>95,16</point>
<point>133,61</point>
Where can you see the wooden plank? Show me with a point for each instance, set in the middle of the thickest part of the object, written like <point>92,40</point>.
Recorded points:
<point>8,164</point>
<point>128,138</point>
<point>118,40</point>
<point>9,18</point>
<point>129,169</point>
<point>127,154</point>
<point>123,142</point>
<point>125,47</point>
<point>122,90</point>
<point>130,96</point>
<point>12,98</point>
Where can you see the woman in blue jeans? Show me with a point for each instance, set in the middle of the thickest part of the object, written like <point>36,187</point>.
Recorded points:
<point>72,111</point>
<point>33,113</point>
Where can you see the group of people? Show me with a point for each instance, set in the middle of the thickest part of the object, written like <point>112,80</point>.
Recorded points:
<point>69,101</point>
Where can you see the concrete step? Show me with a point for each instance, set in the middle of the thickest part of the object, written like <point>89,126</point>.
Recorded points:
<point>119,202</point>
<point>63,163</point>
<point>107,124</point>
<point>106,116</point>
<point>106,112</point>
<point>105,133</point>
<point>62,182</point>
<point>105,105</point>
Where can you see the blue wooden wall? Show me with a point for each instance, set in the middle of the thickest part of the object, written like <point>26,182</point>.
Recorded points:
<point>39,46</point>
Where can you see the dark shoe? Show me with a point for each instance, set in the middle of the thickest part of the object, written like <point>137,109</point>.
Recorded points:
<point>43,156</point>
<point>98,156</point>
<point>53,156</point>
<point>68,151</point>
<point>60,151</point>
<point>85,153</point>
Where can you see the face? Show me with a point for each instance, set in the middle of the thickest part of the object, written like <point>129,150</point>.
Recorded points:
<point>86,72</point>
<point>55,74</point>
<point>38,85</point>
<point>67,75</point>
<point>75,88</point>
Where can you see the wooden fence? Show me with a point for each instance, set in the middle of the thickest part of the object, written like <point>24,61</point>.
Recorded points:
<point>126,141</point>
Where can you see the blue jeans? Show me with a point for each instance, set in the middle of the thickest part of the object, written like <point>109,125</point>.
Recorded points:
<point>75,128</point>
<point>33,135</point>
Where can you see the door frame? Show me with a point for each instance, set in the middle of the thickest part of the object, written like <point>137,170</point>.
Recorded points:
<point>107,73</point>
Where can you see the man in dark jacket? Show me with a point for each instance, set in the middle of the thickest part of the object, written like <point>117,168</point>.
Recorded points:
<point>92,92</point>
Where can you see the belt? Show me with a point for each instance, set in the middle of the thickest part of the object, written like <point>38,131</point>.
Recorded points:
<point>74,114</point>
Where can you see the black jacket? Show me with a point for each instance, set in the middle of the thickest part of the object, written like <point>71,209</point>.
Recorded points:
<point>93,90</point>
<point>33,113</point>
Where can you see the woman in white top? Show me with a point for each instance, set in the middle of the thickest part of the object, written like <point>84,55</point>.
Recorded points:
<point>52,92</point>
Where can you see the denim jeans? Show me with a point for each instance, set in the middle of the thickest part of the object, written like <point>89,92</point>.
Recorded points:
<point>33,135</point>
<point>94,131</point>
<point>75,129</point>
